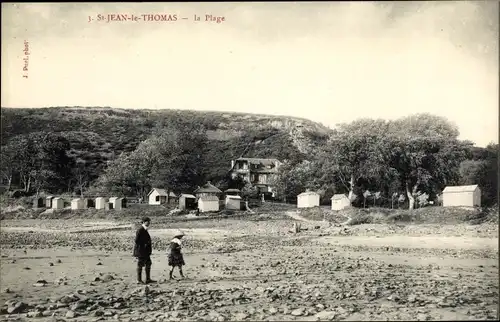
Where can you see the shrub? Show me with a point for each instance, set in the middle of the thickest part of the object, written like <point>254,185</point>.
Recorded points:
<point>360,219</point>
<point>400,216</point>
<point>315,213</point>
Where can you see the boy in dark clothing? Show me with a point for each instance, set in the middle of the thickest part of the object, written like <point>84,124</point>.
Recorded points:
<point>143,250</point>
<point>175,257</point>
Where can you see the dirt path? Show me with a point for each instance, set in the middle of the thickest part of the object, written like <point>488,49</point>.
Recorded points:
<point>298,217</point>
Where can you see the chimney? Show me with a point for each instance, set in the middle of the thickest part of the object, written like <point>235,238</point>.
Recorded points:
<point>232,164</point>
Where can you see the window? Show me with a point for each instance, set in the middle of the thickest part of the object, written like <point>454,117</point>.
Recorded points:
<point>157,198</point>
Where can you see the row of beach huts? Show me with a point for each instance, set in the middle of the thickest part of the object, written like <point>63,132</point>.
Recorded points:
<point>205,199</point>
<point>208,199</point>
<point>452,196</point>
<point>52,202</point>
<point>204,203</point>
<point>185,202</point>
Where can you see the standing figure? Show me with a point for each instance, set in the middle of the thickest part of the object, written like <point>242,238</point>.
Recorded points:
<point>142,251</point>
<point>175,258</point>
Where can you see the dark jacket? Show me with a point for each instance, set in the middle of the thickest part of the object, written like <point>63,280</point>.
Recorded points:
<point>142,247</point>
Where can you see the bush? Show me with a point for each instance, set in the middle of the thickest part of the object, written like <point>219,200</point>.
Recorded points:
<point>315,213</point>
<point>400,216</point>
<point>275,207</point>
<point>226,212</point>
<point>436,215</point>
<point>18,194</point>
<point>360,220</point>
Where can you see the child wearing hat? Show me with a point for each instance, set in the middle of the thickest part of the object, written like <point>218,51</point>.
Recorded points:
<point>175,258</point>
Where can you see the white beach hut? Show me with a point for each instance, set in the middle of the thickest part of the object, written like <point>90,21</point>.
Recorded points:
<point>233,202</point>
<point>117,202</point>
<point>462,196</point>
<point>57,203</point>
<point>308,199</point>
<point>208,203</point>
<point>340,201</point>
<point>101,203</point>
<point>77,204</point>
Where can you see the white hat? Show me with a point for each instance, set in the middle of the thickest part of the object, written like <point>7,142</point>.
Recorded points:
<point>178,233</point>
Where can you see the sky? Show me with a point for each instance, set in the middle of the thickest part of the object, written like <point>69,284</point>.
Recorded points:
<point>330,62</point>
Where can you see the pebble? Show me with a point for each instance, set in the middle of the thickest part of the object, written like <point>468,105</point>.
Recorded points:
<point>297,312</point>
<point>78,306</point>
<point>240,316</point>
<point>107,278</point>
<point>70,314</point>
<point>273,310</point>
<point>34,314</point>
<point>16,307</point>
<point>325,315</point>
<point>40,283</point>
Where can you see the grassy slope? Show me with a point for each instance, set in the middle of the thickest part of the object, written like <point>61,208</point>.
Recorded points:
<point>100,134</point>
<point>427,215</point>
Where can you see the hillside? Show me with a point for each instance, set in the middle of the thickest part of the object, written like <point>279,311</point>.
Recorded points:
<point>100,134</point>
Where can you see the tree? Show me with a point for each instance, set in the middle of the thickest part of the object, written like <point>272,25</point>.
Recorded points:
<point>482,169</point>
<point>376,196</point>
<point>171,158</point>
<point>426,164</point>
<point>422,199</point>
<point>179,158</point>
<point>38,159</point>
<point>292,180</point>
<point>40,179</point>
<point>401,199</point>
<point>471,170</point>
<point>367,194</point>
<point>423,125</point>
<point>429,153</point>
<point>490,176</point>
<point>81,177</point>
<point>281,180</point>
<point>19,152</point>
<point>250,191</point>
<point>354,152</point>
<point>236,182</point>
<point>8,164</point>
<point>394,196</point>
<point>53,166</point>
